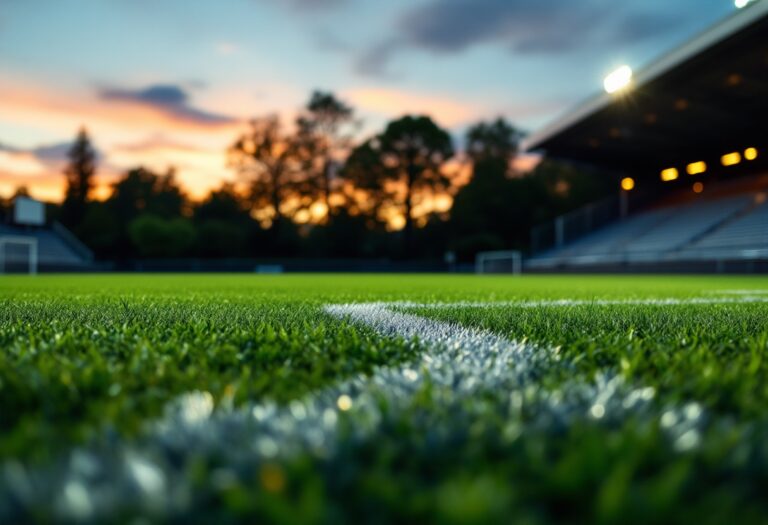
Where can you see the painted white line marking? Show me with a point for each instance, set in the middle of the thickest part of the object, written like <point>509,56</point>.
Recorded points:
<point>691,301</point>
<point>457,364</point>
<point>739,292</point>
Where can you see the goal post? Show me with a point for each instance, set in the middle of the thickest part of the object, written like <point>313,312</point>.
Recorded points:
<point>499,262</point>
<point>18,254</point>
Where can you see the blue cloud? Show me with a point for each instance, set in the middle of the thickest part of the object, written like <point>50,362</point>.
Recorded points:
<point>52,155</point>
<point>523,26</point>
<point>168,98</point>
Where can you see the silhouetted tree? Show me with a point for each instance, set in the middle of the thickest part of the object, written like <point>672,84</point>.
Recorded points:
<point>562,187</point>
<point>154,236</point>
<point>79,172</point>
<point>496,142</point>
<point>143,191</point>
<point>267,158</point>
<point>224,224</point>
<point>101,230</point>
<point>167,199</point>
<point>485,213</point>
<point>498,208</point>
<point>139,192</point>
<point>224,204</point>
<point>406,160</point>
<point>347,236</point>
<point>367,174</point>
<point>324,134</point>
<point>132,193</point>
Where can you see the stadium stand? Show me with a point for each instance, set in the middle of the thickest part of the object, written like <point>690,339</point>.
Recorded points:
<point>697,117</point>
<point>745,235</point>
<point>714,228</point>
<point>683,225</point>
<point>57,249</point>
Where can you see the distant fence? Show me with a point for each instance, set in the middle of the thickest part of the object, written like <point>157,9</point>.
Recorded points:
<point>704,267</point>
<point>576,224</point>
<point>286,265</point>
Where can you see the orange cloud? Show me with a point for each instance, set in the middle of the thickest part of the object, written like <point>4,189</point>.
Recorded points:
<point>119,126</point>
<point>22,163</point>
<point>169,99</point>
<point>59,110</point>
<point>44,180</point>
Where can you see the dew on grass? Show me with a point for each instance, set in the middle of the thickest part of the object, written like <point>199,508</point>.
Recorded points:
<point>344,402</point>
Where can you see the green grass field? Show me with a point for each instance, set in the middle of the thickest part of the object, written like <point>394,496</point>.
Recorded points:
<point>451,399</point>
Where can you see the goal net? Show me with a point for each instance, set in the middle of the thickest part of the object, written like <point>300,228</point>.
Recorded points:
<point>18,254</point>
<point>499,262</point>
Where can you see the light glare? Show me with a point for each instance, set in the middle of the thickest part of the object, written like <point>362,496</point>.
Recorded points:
<point>618,80</point>
<point>695,168</point>
<point>750,153</point>
<point>731,159</point>
<point>669,174</point>
<point>628,184</point>
<point>344,402</point>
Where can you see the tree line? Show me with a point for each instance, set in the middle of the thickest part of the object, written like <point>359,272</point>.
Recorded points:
<point>311,190</point>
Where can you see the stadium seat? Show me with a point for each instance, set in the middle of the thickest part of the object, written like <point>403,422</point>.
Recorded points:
<point>732,227</point>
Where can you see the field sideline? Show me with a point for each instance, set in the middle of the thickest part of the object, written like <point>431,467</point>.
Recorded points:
<point>347,398</point>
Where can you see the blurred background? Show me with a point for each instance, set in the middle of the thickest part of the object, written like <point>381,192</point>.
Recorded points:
<point>333,134</point>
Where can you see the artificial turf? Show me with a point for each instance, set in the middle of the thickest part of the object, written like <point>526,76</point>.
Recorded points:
<point>86,360</point>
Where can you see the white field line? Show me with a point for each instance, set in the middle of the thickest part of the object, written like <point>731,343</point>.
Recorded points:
<point>690,301</point>
<point>739,292</point>
<point>151,473</point>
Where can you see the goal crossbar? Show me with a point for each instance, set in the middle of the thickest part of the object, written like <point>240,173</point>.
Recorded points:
<point>484,258</point>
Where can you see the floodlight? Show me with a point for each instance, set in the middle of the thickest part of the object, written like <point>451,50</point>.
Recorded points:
<point>628,184</point>
<point>618,80</point>
<point>669,174</point>
<point>731,159</point>
<point>695,168</point>
<point>750,153</point>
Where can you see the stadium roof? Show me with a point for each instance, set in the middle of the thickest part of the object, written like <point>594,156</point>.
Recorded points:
<point>696,103</point>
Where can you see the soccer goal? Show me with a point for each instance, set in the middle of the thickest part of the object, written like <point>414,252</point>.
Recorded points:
<point>18,254</point>
<point>499,262</point>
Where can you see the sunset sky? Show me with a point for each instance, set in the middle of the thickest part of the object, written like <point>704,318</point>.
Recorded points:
<point>169,82</point>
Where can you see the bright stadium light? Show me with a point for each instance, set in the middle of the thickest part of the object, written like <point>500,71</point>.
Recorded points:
<point>669,174</point>
<point>696,168</point>
<point>731,159</point>
<point>618,80</point>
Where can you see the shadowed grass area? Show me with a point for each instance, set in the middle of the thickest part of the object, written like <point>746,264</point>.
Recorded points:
<point>85,354</point>
<point>68,367</point>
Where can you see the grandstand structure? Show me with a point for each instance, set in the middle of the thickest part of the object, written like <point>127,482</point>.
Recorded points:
<point>686,139</point>
<point>30,244</point>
